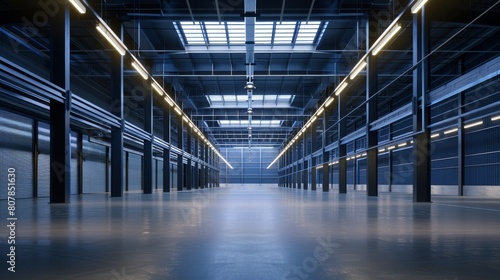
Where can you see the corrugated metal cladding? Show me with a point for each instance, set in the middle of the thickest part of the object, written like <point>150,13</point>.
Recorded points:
<point>249,167</point>
<point>134,172</point>
<point>15,152</point>
<point>94,167</point>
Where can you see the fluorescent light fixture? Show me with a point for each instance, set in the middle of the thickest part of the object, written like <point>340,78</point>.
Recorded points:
<point>391,148</point>
<point>313,119</point>
<point>364,155</point>
<point>178,111</point>
<point>112,38</point>
<point>308,124</point>
<point>184,118</point>
<point>300,133</point>
<point>140,69</point>
<point>387,37</point>
<point>495,118</point>
<point>319,167</point>
<point>320,111</point>
<point>340,88</point>
<point>381,150</point>
<point>451,131</point>
<point>435,135</point>
<point>249,111</point>
<point>402,144</point>
<point>415,8</point>
<point>469,125</point>
<point>358,68</point>
<point>157,88</point>
<point>190,124</point>
<point>169,101</point>
<point>79,6</point>
<point>348,158</point>
<point>358,156</point>
<point>328,101</point>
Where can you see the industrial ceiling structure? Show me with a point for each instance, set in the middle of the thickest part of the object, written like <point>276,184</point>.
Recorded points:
<point>252,72</point>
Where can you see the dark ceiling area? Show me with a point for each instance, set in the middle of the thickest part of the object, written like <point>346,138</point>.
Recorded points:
<point>292,75</point>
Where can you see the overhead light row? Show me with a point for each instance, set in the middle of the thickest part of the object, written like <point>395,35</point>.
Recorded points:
<point>79,6</point>
<point>186,119</point>
<point>379,44</point>
<point>122,50</point>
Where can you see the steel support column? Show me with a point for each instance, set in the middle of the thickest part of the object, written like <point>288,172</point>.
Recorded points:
<point>79,147</point>
<point>305,165</point>
<point>189,167</point>
<point>421,140</point>
<point>35,158</point>
<point>166,151</point>
<point>148,144</point>
<point>196,164</point>
<point>207,168</point>
<point>118,110</point>
<point>326,169</point>
<point>371,112</point>
<point>342,105</point>
<point>460,145</point>
<point>180,163</point>
<point>60,138</point>
<point>314,141</point>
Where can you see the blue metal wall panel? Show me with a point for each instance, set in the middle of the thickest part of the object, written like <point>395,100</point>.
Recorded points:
<point>16,134</point>
<point>250,167</point>
<point>94,167</point>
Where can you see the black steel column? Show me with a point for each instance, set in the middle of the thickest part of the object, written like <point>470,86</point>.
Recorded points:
<point>79,147</point>
<point>35,157</point>
<point>189,169</point>
<point>60,140</point>
<point>314,141</point>
<point>326,177</point>
<point>342,105</point>
<point>460,145</point>
<point>207,167</point>
<point>300,166</point>
<point>166,152</point>
<point>421,141</point>
<point>108,164</point>
<point>202,164</point>
<point>126,171</point>
<point>180,163</point>
<point>196,164</point>
<point>117,109</point>
<point>305,165</point>
<point>371,112</point>
<point>148,144</point>
<point>326,167</point>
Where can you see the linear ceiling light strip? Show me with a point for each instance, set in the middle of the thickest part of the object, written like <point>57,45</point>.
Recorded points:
<point>382,41</point>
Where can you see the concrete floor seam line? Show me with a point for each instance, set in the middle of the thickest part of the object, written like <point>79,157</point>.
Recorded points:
<point>467,207</point>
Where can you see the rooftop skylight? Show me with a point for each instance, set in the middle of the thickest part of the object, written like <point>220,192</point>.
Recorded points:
<point>255,123</point>
<point>266,32</point>
<point>258,101</point>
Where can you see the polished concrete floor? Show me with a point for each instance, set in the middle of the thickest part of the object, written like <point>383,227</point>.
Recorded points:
<point>255,233</point>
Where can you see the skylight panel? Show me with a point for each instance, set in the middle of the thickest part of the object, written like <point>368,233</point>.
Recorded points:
<point>241,101</point>
<point>236,32</point>
<point>193,32</point>
<point>245,123</point>
<point>284,32</point>
<point>307,32</point>
<point>216,33</point>
<point>263,32</point>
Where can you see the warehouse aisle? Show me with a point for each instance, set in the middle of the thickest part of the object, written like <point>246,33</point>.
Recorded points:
<point>255,233</point>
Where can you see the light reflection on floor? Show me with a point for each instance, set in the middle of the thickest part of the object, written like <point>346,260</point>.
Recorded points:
<point>255,233</point>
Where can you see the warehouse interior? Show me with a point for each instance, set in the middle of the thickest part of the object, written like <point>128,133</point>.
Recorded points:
<point>249,139</point>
